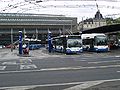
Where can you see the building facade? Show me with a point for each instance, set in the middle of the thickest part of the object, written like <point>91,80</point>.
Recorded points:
<point>34,26</point>
<point>90,23</point>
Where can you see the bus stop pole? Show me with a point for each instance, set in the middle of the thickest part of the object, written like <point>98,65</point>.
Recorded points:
<point>20,42</point>
<point>49,42</point>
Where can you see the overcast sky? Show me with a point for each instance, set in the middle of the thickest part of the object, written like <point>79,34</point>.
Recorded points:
<point>72,8</point>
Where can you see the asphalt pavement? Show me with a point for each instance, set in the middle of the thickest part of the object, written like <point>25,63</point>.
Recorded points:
<point>109,85</point>
<point>63,67</point>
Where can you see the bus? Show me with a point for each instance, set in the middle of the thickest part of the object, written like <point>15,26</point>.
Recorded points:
<point>97,42</point>
<point>67,44</point>
<point>33,43</point>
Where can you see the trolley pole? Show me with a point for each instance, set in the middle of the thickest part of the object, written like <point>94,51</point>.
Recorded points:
<point>20,42</point>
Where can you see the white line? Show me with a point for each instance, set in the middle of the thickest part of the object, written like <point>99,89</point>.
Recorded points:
<point>2,67</point>
<point>61,69</point>
<point>85,85</point>
<point>104,62</point>
<point>31,66</point>
<point>9,63</point>
<point>118,71</point>
<point>25,61</point>
<point>117,56</point>
<point>90,84</point>
<point>30,60</point>
<point>82,85</point>
<point>79,68</point>
<point>83,60</point>
<point>33,86</point>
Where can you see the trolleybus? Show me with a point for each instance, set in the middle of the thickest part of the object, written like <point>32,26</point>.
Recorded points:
<point>33,43</point>
<point>67,44</point>
<point>97,42</point>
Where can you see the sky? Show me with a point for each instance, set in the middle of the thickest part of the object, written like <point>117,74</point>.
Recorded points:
<point>70,8</point>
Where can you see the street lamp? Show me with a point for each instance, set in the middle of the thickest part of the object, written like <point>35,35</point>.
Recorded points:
<point>11,40</point>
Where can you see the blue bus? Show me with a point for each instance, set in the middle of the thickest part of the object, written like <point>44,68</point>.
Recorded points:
<point>67,44</point>
<point>34,43</point>
<point>97,42</point>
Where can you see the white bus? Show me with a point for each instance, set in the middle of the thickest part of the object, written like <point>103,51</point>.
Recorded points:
<point>97,42</point>
<point>33,43</point>
<point>68,44</point>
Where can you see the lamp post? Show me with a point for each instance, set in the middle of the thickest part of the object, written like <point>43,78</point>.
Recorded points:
<point>82,24</point>
<point>11,40</point>
<point>36,33</point>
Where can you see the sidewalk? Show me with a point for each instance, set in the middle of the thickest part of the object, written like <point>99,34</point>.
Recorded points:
<point>41,53</point>
<point>7,54</point>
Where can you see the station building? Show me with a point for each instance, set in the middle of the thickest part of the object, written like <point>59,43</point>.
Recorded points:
<point>34,26</point>
<point>90,23</point>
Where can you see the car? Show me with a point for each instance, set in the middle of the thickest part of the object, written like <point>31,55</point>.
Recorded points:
<point>10,46</point>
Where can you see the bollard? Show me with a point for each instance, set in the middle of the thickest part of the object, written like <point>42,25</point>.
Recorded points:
<point>20,42</point>
<point>49,42</point>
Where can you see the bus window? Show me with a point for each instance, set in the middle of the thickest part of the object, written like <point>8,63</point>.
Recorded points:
<point>74,43</point>
<point>101,41</point>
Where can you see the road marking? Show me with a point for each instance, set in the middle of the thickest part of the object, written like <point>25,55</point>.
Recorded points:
<point>9,63</point>
<point>30,60</point>
<point>83,60</point>
<point>118,71</point>
<point>117,56</point>
<point>79,68</point>
<point>85,85</point>
<point>25,61</point>
<point>88,84</point>
<point>2,67</point>
<point>33,86</point>
<point>61,69</point>
<point>31,66</point>
<point>79,85</point>
<point>103,62</point>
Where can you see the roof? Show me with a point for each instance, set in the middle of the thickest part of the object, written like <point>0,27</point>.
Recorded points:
<point>89,36</point>
<point>104,29</point>
<point>35,19</point>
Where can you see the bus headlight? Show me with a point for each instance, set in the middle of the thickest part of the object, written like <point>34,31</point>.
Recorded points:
<point>96,49</point>
<point>68,50</point>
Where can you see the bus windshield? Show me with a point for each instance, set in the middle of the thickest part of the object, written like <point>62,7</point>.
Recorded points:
<point>74,43</point>
<point>101,40</point>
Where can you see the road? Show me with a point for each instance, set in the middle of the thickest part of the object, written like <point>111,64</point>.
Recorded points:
<point>61,71</point>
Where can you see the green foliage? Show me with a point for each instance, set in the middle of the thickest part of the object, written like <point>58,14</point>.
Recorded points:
<point>117,20</point>
<point>110,21</point>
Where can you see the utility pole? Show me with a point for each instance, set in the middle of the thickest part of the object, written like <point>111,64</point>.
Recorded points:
<point>11,40</point>
<point>71,28</point>
<point>24,33</point>
<point>36,33</point>
<point>82,24</point>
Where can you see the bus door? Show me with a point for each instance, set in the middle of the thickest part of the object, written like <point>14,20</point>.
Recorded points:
<point>64,44</point>
<point>88,44</point>
<point>91,44</point>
